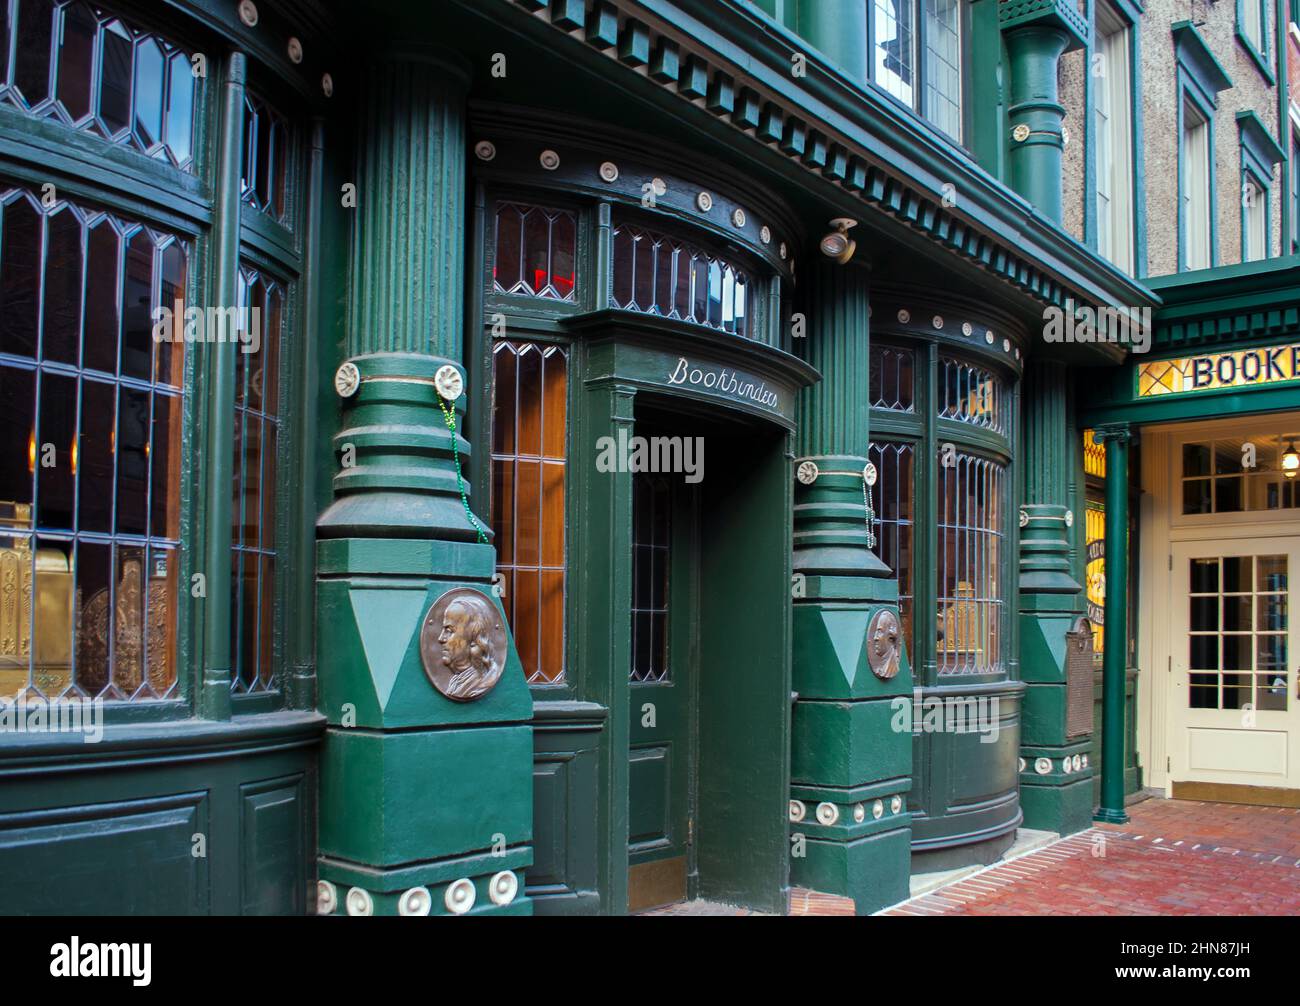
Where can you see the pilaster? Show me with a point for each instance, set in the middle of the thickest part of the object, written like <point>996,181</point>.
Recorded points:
<point>426,769</point>
<point>851,761</point>
<point>1055,781</point>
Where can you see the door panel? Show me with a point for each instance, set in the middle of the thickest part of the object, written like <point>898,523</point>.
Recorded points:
<point>1234,711</point>
<point>661,693</point>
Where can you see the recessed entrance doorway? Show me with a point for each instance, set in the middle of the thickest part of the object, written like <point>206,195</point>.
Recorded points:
<point>708,676</point>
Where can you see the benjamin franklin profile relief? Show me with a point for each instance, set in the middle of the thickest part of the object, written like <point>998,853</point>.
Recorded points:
<point>463,644</point>
<point>883,649</point>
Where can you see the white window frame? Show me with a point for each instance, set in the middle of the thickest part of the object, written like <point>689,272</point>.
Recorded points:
<point>1195,197</point>
<point>1114,122</point>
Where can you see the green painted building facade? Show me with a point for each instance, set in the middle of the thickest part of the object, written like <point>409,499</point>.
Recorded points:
<point>572,456</point>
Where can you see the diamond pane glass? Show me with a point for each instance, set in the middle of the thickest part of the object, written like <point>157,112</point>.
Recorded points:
<point>536,252</point>
<point>90,488</point>
<point>655,273</point>
<point>253,514</point>
<point>529,458</point>
<point>86,68</point>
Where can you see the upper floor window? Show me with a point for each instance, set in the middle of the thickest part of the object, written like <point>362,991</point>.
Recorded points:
<point>1195,198</point>
<point>920,41</point>
<point>1252,29</point>
<point>1254,219</point>
<point>658,274</point>
<point>83,67</point>
<point>1114,140</point>
<point>1295,190</point>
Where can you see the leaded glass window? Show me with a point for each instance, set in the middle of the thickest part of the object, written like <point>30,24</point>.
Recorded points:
<point>651,530</point>
<point>894,492</point>
<point>536,252</point>
<point>529,456</point>
<point>256,447</point>
<point>913,39</point>
<point>655,273</point>
<point>942,32</point>
<point>894,49</point>
<point>970,544</point>
<point>972,394</point>
<point>81,66</point>
<point>891,378</point>
<point>91,394</point>
<point>266,158</point>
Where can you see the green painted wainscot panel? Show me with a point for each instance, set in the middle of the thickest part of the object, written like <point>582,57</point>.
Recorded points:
<point>147,822</point>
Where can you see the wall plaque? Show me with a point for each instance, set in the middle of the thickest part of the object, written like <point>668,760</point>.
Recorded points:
<point>883,648</point>
<point>1078,680</point>
<point>463,644</point>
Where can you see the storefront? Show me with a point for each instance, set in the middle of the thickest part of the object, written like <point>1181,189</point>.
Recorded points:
<point>633,475</point>
<point>1213,542</point>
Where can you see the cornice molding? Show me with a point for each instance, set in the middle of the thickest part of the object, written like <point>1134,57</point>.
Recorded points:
<point>734,62</point>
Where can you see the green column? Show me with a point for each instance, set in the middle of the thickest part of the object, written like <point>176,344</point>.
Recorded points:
<point>1116,437</point>
<point>839,29</point>
<point>214,693</point>
<point>851,759</point>
<point>426,792</point>
<point>1054,796</point>
<point>1037,34</point>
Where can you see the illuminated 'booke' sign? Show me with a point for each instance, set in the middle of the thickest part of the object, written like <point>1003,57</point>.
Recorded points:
<point>1240,369</point>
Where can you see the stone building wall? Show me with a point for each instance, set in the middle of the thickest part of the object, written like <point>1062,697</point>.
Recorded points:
<point>1217,23</point>
<point>1158,144</point>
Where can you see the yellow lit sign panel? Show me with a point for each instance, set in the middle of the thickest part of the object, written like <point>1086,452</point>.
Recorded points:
<point>1243,368</point>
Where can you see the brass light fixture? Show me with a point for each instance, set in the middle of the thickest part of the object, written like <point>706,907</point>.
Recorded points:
<point>1290,460</point>
<point>837,244</point>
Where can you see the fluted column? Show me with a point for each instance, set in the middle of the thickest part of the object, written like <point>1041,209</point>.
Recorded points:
<point>851,762</point>
<point>418,675</point>
<point>401,468</point>
<point>831,531</point>
<point>1055,785</point>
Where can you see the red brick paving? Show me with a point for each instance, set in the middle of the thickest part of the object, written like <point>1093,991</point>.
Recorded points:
<point>1175,857</point>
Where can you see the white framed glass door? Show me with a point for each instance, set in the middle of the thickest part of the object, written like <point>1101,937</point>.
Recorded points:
<point>1234,710</point>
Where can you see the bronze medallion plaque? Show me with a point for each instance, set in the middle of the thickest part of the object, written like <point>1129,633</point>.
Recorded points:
<point>883,648</point>
<point>463,644</point>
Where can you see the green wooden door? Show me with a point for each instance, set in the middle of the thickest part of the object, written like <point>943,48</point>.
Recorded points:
<point>661,748</point>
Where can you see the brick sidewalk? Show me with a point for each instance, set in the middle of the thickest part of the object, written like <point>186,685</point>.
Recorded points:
<point>1174,857</point>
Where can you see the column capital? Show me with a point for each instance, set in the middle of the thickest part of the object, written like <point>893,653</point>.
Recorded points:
<point>1122,433</point>
<point>1053,14</point>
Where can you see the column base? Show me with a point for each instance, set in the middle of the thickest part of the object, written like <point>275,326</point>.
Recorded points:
<point>396,890</point>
